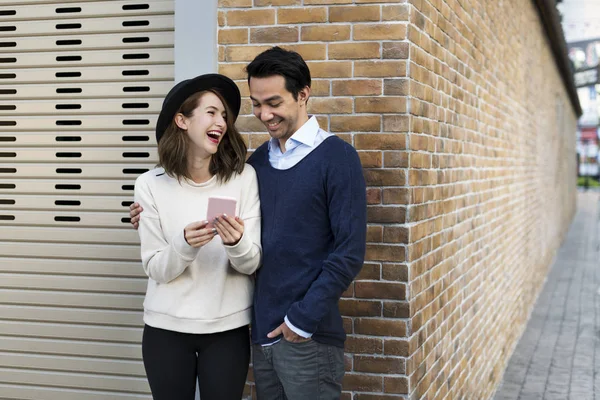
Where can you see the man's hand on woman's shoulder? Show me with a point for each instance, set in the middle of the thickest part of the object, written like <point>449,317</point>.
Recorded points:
<point>134,213</point>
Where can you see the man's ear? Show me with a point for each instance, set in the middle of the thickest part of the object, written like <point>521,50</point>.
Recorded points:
<point>180,120</point>
<point>303,95</point>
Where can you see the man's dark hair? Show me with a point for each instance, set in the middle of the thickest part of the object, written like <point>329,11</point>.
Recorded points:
<point>278,61</point>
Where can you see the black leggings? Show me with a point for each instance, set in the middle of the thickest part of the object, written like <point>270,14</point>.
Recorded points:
<point>173,360</point>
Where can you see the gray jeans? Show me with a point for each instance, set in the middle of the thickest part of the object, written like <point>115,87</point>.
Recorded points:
<point>298,371</point>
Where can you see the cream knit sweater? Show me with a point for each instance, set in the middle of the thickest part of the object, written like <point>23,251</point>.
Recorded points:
<point>194,290</point>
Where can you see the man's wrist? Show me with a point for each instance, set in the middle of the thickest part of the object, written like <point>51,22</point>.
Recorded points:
<point>297,330</point>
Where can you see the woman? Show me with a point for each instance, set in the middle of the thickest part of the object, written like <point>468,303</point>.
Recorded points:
<point>198,302</point>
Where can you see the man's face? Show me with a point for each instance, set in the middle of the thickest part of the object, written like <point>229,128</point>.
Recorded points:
<point>281,114</point>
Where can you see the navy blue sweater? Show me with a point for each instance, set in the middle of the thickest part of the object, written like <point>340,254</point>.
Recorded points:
<point>313,239</point>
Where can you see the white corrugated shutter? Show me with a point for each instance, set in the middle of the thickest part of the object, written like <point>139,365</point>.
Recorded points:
<point>81,83</point>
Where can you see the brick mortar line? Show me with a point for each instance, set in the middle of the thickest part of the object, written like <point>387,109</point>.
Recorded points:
<point>465,329</point>
<point>448,229</point>
<point>420,31</point>
<point>439,12</point>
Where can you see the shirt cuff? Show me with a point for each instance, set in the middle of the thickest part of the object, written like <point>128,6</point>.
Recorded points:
<point>297,331</point>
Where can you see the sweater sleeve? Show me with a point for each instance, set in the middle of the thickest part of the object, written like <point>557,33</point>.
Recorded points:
<point>163,260</point>
<point>347,209</point>
<point>245,256</point>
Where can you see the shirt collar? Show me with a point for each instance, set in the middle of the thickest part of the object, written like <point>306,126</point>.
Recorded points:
<point>306,135</point>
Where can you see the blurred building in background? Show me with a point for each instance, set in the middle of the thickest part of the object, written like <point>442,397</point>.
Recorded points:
<point>581,25</point>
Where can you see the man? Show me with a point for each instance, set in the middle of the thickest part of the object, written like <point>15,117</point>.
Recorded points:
<point>313,206</point>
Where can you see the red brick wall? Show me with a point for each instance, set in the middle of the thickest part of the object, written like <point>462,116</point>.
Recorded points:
<point>466,135</point>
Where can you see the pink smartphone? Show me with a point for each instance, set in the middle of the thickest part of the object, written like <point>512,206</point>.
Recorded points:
<point>218,205</point>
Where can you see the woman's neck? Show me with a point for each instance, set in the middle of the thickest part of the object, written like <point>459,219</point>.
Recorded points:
<point>198,168</point>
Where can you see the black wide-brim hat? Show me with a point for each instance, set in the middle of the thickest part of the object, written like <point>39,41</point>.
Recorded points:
<point>184,89</point>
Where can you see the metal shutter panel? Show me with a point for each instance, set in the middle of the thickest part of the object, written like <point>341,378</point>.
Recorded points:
<point>81,84</point>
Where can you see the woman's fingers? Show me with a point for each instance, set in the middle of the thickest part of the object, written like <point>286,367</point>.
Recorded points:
<point>236,223</point>
<point>202,241</point>
<point>223,232</point>
<point>223,225</point>
<point>197,234</point>
<point>229,228</point>
<point>223,235</point>
<point>233,224</point>
<point>201,234</point>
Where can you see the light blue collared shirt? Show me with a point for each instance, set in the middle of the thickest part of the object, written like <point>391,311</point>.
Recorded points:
<point>298,146</point>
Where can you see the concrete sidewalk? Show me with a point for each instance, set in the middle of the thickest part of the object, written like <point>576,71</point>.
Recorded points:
<point>558,356</point>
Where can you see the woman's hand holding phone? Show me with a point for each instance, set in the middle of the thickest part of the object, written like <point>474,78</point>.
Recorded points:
<point>197,234</point>
<point>229,228</point>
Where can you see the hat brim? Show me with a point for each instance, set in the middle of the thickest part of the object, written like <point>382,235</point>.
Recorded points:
<point>180,92</point>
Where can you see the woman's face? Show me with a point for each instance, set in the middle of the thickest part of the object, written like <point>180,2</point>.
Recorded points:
<point>206,126</point>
